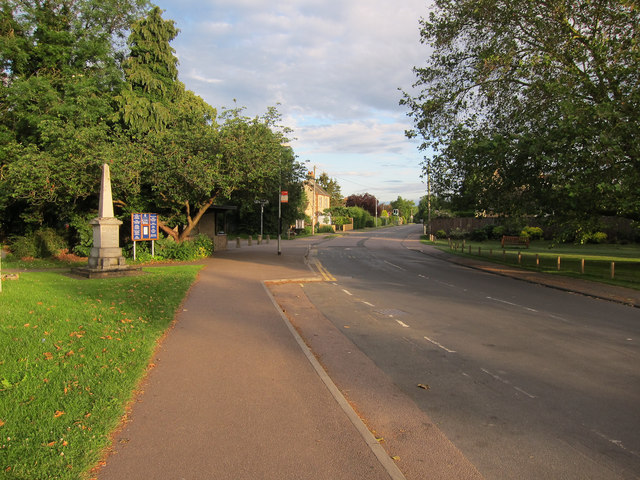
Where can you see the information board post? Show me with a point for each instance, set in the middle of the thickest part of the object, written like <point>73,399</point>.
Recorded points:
<point>144,227</point>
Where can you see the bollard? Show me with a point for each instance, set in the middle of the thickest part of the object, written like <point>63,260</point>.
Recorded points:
<point>250,240</point>
<point>268,238</point>
<point>237,242</point>
<point>469,249</point>
<point>582,266</point>
<point>519,258</point>
<point>613,270</point>
<point>259,239</point>
<point>504,255</point>
<point>479,251</point>
<point>537,260</point>
<point>558,263</point>
<point>491,252</point>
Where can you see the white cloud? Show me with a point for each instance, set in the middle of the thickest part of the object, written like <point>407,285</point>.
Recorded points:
<point>334,66</point>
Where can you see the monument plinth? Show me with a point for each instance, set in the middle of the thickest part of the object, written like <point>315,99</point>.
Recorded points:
<point>105,258</point>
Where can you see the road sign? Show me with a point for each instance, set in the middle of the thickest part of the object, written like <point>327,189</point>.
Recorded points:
<point>284,197</point>
<point>144,226</point>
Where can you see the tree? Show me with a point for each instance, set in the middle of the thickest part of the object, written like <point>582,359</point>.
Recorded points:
<point>405,207</point>
<point>530,107</point>
<point>70,101</point>
<point>59,69</point>
<point>152,92</point>
<point>289,178</point>
<point>193,157</point>
<point>366,201</point>
<point>331,186</point>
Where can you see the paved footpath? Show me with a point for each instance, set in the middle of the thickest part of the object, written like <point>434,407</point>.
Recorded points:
<point>234,396</point>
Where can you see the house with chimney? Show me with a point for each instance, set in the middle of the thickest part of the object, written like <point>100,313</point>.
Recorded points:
<point>318,200</point>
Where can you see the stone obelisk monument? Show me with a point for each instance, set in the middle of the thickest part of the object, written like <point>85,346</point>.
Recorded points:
<point>105,259</point>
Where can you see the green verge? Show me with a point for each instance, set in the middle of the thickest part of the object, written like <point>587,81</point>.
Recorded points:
<point>543,256</point>
<point>72,352</point>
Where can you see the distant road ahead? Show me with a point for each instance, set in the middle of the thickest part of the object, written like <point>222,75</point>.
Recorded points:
<point>529,382</point>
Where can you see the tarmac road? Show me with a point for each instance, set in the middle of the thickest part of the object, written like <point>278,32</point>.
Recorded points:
<point>528,382</point>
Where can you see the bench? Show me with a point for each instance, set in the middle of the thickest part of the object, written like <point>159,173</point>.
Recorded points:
<point>513,240</point>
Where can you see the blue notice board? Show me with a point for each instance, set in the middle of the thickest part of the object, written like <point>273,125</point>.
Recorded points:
<point>144,226</point>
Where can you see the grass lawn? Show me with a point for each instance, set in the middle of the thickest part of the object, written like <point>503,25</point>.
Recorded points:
<point>71,354</point>
<point>543,256</point>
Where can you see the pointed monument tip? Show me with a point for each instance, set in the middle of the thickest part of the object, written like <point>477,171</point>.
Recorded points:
<point>105,210</point>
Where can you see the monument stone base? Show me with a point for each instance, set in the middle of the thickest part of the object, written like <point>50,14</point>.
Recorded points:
<point>105,258</point>
<point>123,271</point>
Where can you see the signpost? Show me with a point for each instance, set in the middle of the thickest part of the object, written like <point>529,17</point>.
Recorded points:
<point>144,226</point>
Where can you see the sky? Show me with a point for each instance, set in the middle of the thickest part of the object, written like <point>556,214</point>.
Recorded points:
<point>333,68</point>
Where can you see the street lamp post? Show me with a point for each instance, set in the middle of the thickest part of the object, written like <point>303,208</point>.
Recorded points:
<point>313,213</point>
<point>429,198</point>
<point>279,214</point>
<point>313,201</point>
<point>262,204</point>
<point>376,225</point>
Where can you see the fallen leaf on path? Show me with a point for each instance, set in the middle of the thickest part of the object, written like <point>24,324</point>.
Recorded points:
<point>424,387</point>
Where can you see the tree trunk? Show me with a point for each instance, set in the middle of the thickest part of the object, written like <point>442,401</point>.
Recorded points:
<point>169,231</point>
<point>193,222</point>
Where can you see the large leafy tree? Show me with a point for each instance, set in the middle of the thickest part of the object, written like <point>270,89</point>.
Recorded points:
<point>152,96</point>
<point>531,107</point>
<point>365,201</point>
<point>58,62</point>
<point>405,207</point>
<point>71,100</point>
<point>288,178</point>
<point>192,156</point>
<point>332,187</point>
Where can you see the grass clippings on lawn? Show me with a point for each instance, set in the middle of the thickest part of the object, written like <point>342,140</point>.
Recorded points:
<point>72,352</point>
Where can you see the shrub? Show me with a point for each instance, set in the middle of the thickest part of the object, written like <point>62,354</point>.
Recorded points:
<point>534,233</point>
<point>340,220</point>
<point>325,229</point>
<point>49,243</point>
<point>204,246</point>
<point>193,249</point>
<point>594,237</point>
<point>83,238</point>
<point>479,235</point>
<point>458,233</point>
<point>22,247</point>
<point>43,243</point>
<point>497,232</point>
<point>441,234</point>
